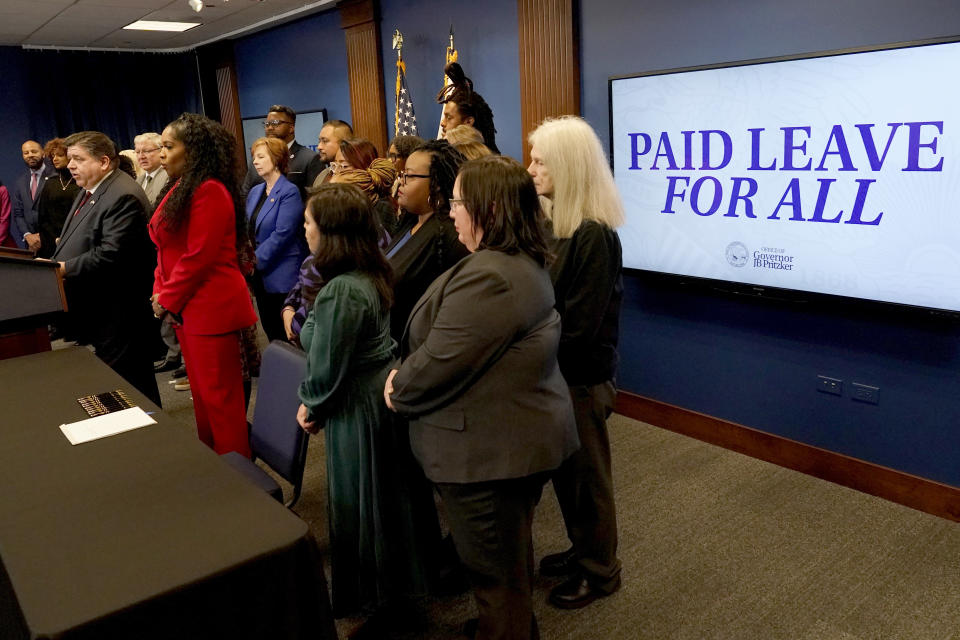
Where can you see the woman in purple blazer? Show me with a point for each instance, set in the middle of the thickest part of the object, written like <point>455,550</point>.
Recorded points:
<point>275,218</point>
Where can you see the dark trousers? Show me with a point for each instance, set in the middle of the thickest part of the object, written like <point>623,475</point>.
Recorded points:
<point>270,306</point>
<point>584,486</point>
<point>491,523</point>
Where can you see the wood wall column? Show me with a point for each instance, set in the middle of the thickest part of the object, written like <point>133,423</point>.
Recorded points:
<point>361,27</point>
<point>549,63</point>
<point>217,64</point>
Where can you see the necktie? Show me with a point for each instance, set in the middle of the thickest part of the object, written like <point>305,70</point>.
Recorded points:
<point>33,184</point>
<point>146,182</point>
<point>86,197</point>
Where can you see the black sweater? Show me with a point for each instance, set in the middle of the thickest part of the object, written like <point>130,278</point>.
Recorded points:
<point>589,289</point>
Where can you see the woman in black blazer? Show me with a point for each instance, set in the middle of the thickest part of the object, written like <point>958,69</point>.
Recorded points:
<point>569,168</point>
<point>425,243</point>
<point>490,415</point>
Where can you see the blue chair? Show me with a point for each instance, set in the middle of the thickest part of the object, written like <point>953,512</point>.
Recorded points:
<point>275,436</point>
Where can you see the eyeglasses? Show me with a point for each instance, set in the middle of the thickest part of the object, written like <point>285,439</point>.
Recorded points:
<point>456,202</point>
<point>144,152</point>
<point>403,175</point>
<point>274,123</point>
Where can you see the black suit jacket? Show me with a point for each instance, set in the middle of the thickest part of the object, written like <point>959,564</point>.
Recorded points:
<point>24,212</point>
<point>300,157</point>
<point>109,262</point>
<point>479,378</point>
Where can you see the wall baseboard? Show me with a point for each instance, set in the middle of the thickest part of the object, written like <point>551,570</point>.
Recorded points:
<point>912,491</point>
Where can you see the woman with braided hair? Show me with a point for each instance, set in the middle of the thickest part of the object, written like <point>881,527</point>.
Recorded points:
<point>375,182</point>
<point>426,243</point>
<point>198,228</point>
<point>463,105</point>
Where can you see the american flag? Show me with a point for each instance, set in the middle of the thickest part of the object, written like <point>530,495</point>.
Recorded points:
<point>404,122</point>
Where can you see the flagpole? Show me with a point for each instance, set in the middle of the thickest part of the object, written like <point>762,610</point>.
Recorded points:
<point>450,57</point>
<point>398,45</point>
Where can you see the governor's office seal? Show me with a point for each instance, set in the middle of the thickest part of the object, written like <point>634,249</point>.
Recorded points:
<point>737,254</point>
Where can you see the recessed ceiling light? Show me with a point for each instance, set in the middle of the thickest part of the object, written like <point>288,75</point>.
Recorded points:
<point>159,25</point>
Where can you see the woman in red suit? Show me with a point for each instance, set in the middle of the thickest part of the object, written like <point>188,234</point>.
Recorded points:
<point>198,228</point>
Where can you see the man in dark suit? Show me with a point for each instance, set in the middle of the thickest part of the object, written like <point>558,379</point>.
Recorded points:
<point>281,123</point>
<point>26,191</point>
<point>107,261</point>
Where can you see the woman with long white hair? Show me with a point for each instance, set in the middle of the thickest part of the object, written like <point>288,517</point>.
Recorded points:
<point>570,169</point>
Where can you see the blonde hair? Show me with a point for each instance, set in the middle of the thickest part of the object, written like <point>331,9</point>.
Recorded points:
<point>472,150</point>
<point>463,133</point>
<point>583,187</point>
<point>131,155</point>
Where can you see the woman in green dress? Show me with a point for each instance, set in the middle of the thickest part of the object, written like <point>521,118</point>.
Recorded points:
<point>373,495</point>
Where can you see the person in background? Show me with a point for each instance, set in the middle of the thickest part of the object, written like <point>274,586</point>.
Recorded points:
<point>400,149</point>
<point>153,177</point>
<point>462,105</point>
<point>360,153</point>
<point>569,167</point>
<point>125,164</point>
<point>199,228</point>
<point>490,415</point>
<point>472,150</point>
<point>24,196</point>
<point>319,171</point>
<point>281,123</point>
<point>6,218</point>
<point>425,244</point>
<point>377,553</point>
<point>56,198</point>
<point>131,155</point>
<point>463,133</point>
<point>274,211</point>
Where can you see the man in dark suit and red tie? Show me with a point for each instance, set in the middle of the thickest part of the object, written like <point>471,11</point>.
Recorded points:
<point>24,225</point>
<point>107,261</point>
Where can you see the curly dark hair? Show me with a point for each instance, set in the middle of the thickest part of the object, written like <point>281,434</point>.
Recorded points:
<point>210,154</point>
<point>445,161</point>
<point>469,103</point>
<point>349,236</point>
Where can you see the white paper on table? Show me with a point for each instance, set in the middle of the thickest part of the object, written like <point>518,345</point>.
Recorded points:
<point>106,425</point>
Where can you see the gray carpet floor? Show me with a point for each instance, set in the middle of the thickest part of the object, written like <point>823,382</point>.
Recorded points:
<point>715,544</point>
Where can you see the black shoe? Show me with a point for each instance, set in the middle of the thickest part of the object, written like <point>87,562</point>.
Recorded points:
<point>165,365</point>
<point>559,564</point>
<point>578,592</point>
<point>180,373</point>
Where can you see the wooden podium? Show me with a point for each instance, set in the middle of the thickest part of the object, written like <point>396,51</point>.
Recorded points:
<point>31,296</point>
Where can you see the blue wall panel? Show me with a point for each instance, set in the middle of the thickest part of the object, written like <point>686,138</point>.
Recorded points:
<point>756,362</point>
<point>486,37</point>
<point>302,64</point>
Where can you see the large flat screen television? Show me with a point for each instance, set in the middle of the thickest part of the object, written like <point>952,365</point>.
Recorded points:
<point>836,173</point>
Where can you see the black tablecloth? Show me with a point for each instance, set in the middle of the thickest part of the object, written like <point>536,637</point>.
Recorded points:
<point>145,534</point>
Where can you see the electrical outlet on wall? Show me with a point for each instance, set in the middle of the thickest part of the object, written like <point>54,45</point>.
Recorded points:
<point>866,393</point>
<point>830,385</point>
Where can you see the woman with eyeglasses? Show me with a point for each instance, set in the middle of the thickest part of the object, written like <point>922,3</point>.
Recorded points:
<point>274,214</point>
<point>425,244</point>
<point>490,415</point>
